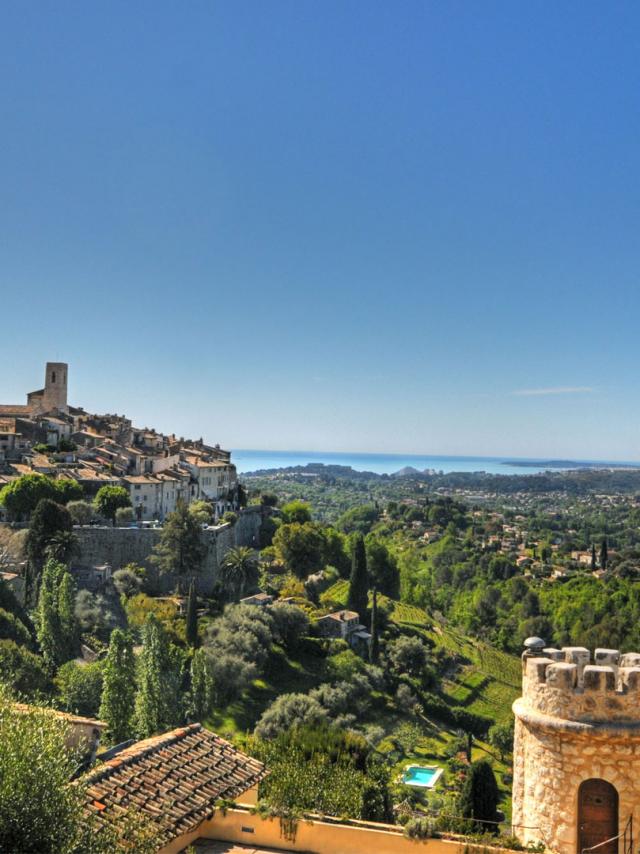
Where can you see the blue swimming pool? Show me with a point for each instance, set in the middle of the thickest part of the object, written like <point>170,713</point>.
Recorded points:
<point>424,776</point>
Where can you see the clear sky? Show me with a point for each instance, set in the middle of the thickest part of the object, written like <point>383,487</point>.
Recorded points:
<point>351,225</point>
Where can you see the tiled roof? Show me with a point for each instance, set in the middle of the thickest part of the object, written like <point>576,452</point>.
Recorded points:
<point>15,409</point>
<point>175,779</point>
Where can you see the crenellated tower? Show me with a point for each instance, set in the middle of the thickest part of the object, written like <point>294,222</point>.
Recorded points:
<point>577,749</point>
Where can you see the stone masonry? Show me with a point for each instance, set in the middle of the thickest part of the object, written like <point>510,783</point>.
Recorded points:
<point>120,546</point>
<point>576,721</point>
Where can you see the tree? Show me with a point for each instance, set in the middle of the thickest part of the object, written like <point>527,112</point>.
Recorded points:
<point>290,623</point>
<point>56,626</point>
<point>501,737</point>
<point>191,620</point>
<point>594,562</point>
<point>202,511</point>
<point>290,710</point>
<point>296,511</point>
<point>41,810</point>
<point>604,553</point>
<point>119,687</point>
<point>480,797</point>
<point>408,655</point>
<point>239,571</point>
<point>80,687</point>
<point>180,551</point>
<point>23,671</point>
<point>157,706</point>
<point>201,693</point>
<point>109,499</point>
<point>358,598</point>
<point>82,512</point>
<point>300,548</point>
<point>62,546</point>
<point>374,649</point>
<point>124,517</point>
<point>47,521</point>
<point>21,497</point>
<point>382,568</point>
<point>269,499</point>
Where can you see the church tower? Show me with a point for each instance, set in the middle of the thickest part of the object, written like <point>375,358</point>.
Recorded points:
<point>55,386</point>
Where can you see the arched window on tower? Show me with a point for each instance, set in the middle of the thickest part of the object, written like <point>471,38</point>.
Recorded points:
<point>53,376</point>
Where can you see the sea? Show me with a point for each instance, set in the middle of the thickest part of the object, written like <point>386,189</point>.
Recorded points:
<point>253,460</point>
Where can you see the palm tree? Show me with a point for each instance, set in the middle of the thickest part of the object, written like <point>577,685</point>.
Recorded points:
<point>62,546</point>
<point>239,570</point>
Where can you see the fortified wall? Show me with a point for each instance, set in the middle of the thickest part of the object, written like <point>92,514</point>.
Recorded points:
<point>577,748</point>
<point>120,546</point>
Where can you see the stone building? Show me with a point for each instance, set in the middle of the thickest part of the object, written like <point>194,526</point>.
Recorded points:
<point>577,749</point>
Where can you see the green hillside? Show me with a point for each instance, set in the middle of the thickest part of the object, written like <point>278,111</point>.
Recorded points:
<point>484,680</point>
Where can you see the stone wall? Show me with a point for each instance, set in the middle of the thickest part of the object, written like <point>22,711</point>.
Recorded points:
<point>120,546</point>
<point>576,721</point>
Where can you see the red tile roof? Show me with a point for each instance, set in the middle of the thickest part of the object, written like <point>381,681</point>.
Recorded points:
<point>175,779</point>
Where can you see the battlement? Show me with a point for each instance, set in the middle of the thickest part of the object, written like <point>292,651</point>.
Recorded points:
<point>564,683</point>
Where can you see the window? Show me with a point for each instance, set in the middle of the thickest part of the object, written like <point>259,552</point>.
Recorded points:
<point>53,376</point>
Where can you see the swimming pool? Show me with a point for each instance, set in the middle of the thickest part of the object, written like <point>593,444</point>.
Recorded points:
<point>423,776</point>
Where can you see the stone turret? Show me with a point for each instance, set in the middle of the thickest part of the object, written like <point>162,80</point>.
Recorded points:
<point>577,747</point>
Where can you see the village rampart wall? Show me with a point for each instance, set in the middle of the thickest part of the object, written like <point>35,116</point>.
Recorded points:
<point>120,546</point>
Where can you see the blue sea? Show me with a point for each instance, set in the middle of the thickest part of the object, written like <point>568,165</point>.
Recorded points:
<point>250,460</point>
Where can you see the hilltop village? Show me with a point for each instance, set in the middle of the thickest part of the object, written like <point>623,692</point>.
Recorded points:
<point>48,436</point>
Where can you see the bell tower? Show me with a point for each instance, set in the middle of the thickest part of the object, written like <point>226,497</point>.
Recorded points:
<point>55,386</point>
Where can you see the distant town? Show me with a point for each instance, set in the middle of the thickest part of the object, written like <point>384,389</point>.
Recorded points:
<point>46,435</point>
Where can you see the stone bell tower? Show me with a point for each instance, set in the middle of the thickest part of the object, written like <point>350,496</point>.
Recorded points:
<point>576,781</point>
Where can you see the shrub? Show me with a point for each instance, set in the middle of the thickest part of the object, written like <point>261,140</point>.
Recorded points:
<point>22,671</point>
<point>290,623</point>
<point>290,710</point>
<point>126,582</point>
<point>80,687</point>
<point>11,628</point>
<point>124,517</point>
<point>82,512</point>
<point>419,828</point>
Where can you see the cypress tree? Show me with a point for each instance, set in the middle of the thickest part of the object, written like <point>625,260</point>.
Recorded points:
<point>359,580</point>
<point>604,554</point>
<point>48,631</point>
<point>480,797</point>
<point>593,557</point>
<point>66,605</point>
<point>191,627</point>
<point>201,694</point>
<point>119,687</point>
<point>157,705</point>
<point>55,615</point>
<point>374,649</point>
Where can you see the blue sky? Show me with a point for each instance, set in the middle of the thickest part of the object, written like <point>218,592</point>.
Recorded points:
<point>326,225</point>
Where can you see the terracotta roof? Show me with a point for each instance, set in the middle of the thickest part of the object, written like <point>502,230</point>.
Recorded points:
<point>15,409</point>
<point>175,779</point>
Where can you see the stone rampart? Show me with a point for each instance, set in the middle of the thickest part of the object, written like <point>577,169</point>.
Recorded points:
<point>120,546</point>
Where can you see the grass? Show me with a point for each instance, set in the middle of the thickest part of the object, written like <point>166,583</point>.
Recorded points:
<point>283,675</point>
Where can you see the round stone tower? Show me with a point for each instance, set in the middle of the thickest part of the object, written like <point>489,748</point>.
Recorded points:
<point>55,386</point>
<point>576,756</point>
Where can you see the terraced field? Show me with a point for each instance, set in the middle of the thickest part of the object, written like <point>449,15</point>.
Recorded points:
<point>485,681</point>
